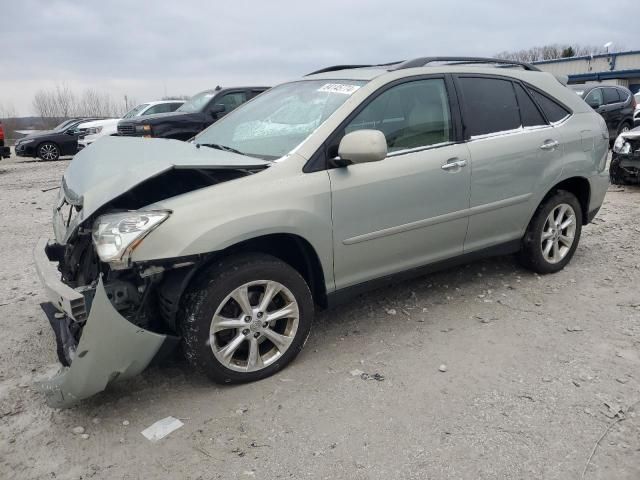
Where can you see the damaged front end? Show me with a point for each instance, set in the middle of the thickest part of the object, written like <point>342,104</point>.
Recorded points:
<point>625,160</point>
<point>113,317</point>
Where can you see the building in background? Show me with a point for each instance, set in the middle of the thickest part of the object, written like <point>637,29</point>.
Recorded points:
<point>618,68</point>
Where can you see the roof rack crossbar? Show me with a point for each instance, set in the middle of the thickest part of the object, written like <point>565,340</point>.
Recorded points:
<point>423,61</point>
<point>335,68</point>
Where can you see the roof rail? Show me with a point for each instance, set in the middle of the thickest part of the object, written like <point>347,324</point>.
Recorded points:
<point>421,62</point>
<point>335,68</point>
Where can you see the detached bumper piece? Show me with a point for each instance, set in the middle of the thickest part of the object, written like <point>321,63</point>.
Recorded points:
<point>111,348</point>
<point>5,152</point>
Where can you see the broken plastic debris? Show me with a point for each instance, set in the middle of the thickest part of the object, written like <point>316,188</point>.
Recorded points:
<point>161,428</point>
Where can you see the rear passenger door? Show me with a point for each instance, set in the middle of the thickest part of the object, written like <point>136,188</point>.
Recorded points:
<point>511,146</point>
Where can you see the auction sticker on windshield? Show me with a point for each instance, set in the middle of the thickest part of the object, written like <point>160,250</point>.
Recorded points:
<point>338,88</point>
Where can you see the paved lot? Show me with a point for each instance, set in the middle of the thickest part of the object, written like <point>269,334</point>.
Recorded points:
<point>537,369</point>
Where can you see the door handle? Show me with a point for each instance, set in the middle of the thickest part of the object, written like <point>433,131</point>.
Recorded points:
<point>549,145</point>
<point>454,163</point>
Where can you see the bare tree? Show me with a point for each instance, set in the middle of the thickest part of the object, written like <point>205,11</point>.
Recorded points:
<point>65,100</point>
<point>44,103</point>
<point>61,102</point>
<point>551,52</point>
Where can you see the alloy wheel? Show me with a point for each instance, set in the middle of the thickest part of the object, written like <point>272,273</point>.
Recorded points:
<point>254,326</point>
<point>558,233</point>
<point>48,151</point>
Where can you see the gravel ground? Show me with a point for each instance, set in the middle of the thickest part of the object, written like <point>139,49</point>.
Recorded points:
<point>537,369</point>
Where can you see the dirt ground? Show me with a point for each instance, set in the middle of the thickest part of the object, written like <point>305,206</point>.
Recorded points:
<point>537,369</point>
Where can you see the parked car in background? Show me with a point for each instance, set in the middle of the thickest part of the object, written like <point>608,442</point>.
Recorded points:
<point>5,152</point>
<point>625,159</point>
<point>616,105</point>
<point>310,194</point>
<point>51,144</point>
<point>636,114</point>
<point>91,131</point>
<point>195,115</point>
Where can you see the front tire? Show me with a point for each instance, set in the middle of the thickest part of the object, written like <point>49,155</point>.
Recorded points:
<point>553,234</point>
<point>245,318</point>
<point>48,151</point>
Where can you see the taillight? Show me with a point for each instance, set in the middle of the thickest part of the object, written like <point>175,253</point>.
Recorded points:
<point>634,104</point>
<point>1,132</point>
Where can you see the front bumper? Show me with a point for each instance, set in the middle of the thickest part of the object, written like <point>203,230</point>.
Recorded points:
<point>110,348</point>
<point>25,150</point>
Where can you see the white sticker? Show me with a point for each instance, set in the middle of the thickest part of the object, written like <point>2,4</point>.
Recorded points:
<point>338,88</point>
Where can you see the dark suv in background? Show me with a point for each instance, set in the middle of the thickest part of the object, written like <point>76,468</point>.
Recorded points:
<point>195,115</point>
<point>616,105</point>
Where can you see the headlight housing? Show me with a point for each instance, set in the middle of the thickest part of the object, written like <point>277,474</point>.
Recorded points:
<point>24,142</point>
<point>146,129</point>
<point>93,130</point>
<point>621,146</point>
<point>116,235</point>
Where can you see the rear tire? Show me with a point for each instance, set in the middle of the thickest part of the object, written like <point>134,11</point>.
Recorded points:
<point>237,341</point>
<point>553,234</point>
<point>49,152</point>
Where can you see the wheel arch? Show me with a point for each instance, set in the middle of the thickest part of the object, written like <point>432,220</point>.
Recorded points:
<point>290,248</point>
<point>293,250</point>
<point>37,148</point>
<point>580,187</point>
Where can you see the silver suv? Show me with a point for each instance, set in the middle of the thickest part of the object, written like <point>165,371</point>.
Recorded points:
<point>308,194</point>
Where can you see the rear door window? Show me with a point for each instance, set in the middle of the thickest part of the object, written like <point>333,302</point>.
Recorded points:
<point>552,109</point>
<point>489,105</point>
<point>411,115</point>
<point>529,113</point>
<point>611,95</point>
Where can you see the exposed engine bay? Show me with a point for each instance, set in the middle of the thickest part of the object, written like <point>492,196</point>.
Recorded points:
<point>625,161</point>
<point>147,295</point>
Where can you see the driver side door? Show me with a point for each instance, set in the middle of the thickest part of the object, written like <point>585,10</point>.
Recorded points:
<point>411,208</point>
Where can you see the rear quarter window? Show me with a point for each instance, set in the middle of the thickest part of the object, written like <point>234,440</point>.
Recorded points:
<point>624,96</point>
<point>551,108</point>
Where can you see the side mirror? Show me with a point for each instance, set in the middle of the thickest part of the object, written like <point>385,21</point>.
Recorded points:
<point>71,131</point>
<point>217,109</point>
<point>363,146</point>
<point>593,103</point>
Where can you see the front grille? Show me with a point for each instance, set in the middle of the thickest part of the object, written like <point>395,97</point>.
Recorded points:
<point>126,130</point>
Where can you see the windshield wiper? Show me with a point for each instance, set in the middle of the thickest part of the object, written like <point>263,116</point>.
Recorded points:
<point>220,147</point>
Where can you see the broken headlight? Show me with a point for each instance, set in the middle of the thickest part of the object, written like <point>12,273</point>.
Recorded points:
<point>621,146</point>
<point>115,235</point>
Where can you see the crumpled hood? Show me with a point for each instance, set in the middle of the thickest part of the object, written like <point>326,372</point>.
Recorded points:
<point>114,165</point>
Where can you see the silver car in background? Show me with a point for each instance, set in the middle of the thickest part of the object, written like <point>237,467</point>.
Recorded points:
<point>314,191</point>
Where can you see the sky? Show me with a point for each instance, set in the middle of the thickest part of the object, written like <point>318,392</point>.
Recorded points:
<point>148,49</point>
